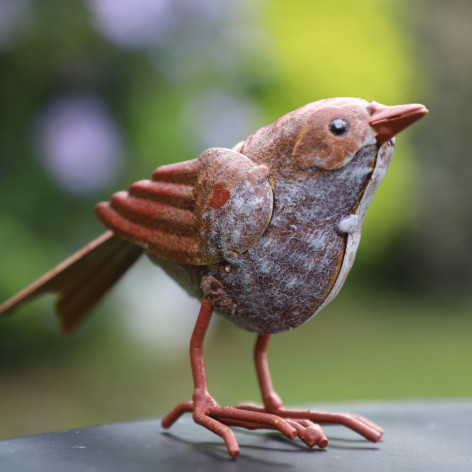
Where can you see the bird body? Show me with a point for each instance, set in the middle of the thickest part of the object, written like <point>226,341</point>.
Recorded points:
<point>271,255</point>
<point>264,233</point>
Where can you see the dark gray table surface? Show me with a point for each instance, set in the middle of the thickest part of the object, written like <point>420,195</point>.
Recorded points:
<point>420,436</point>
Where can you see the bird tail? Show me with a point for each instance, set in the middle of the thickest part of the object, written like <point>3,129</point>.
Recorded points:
<point>82,279</point>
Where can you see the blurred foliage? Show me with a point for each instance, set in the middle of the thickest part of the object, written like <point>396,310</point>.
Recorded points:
<point>220,71</point>
<point>434,253</point>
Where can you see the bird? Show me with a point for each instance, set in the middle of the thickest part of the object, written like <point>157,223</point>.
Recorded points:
<point>264,233</point>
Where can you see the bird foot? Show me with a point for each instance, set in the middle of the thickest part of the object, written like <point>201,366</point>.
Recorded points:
<point>310,419</point>
<point>217,419</point>
<point>290,422</point>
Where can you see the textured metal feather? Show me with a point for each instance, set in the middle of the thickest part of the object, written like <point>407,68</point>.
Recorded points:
<point>158,214</point>
<point>82,279</point>
<point>197,212</point>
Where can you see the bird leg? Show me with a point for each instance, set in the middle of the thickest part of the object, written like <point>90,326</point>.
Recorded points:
<point>306,422</point>
<point>290,422</point>
<point>206,410</point>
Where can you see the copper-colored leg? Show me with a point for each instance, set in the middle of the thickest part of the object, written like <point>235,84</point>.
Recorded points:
<point>270,398</point>
<point>273,415</point>
<point>306,422</point>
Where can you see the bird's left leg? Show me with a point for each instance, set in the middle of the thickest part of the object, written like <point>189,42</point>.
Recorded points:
<point>306,422</point>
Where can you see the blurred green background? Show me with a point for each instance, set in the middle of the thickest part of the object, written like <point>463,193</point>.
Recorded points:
<point>95,94</point>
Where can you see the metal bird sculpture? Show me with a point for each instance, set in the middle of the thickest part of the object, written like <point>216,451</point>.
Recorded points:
<point>264,233</point>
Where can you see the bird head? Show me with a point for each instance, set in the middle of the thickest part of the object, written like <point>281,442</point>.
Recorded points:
<point>327,134</point>
<point>332,131</point>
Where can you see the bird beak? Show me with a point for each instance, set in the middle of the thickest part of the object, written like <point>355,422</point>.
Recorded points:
<point>389,121</point>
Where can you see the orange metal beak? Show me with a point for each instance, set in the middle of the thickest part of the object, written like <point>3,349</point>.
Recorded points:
<point>389,121</point>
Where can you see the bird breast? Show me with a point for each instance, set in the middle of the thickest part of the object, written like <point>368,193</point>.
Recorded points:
<point>289,273</point>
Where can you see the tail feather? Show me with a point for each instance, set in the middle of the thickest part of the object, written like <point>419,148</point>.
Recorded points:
<point>82,279</point>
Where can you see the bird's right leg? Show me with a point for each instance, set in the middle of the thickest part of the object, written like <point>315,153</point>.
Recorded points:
<point>306,422</point>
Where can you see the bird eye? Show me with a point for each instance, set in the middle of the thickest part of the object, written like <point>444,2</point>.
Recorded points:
<point>339,126</point>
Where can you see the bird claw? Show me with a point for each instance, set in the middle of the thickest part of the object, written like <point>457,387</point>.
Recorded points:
<point>358,424</point>
<point>290,422</point>
<point>307,423</point>
<point>215,418</point>
<point>310,433</point>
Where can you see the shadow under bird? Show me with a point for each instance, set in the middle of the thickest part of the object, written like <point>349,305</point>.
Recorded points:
<point>265,233</point>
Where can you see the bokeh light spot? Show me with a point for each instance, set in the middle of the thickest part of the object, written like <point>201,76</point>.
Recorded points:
<point>80,145</point>
<point>133,23</point>
<point>13,17</point>
<point>218,118</point>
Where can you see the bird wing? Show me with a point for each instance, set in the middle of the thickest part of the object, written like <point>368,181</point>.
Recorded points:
<point>158,214</point>
<point>194,212</point>
<point>234,202</point>
<point>82,279</point>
